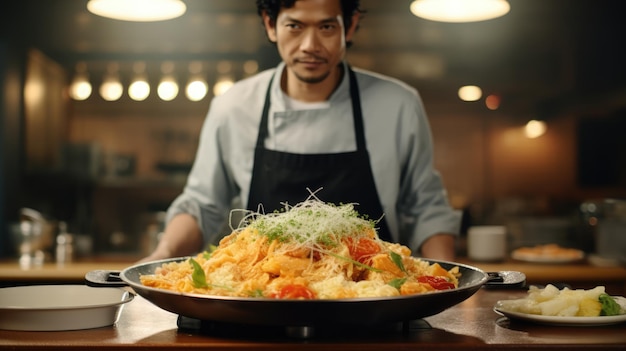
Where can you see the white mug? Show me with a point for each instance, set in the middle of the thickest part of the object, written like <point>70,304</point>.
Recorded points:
<point>486,243</point>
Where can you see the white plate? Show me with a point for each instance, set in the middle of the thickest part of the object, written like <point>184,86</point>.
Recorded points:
<point>535,258</point>
<point>60,307</point>
<point>562,321</point>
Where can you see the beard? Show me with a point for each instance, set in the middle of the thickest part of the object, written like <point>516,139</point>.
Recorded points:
<point>312,79</point>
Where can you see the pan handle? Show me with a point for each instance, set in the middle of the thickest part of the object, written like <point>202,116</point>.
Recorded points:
<point>505,279</point>
<point>104,278</point>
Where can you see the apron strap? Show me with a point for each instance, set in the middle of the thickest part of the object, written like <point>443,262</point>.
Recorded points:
<point>263,128</point>
<point>357,114</point>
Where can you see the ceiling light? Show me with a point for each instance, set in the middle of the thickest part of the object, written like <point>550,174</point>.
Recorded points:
<point>459,10</point>
<point>167,89</point>
<point>225,81</point>
<point>197,89</point>
<point>80,89</point>
<point>222,85</point>
<point>139,90</point>
<point>535,129</point>
<point>470,93</point>
<point>111,89</point>
<point>493,102</point>
<point>137,10</point>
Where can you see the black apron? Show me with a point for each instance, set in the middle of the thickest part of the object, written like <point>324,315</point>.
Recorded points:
<point>341,178</point>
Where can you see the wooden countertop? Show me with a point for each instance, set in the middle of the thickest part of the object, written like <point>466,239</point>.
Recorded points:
<point>470,325</point>
<point>580,274</point>
<point>71,272</point>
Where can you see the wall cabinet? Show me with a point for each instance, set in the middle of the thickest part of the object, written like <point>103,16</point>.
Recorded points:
<point>46,108</point>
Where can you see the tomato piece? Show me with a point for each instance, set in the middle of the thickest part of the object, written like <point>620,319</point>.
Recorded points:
<point>362,249</point>
<point>295,291</point>
<point>438,283</point>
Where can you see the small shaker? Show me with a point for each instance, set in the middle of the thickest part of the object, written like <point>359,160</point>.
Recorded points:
<point>65,245</point>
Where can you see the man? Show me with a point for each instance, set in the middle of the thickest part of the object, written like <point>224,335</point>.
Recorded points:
<point>315,124</point>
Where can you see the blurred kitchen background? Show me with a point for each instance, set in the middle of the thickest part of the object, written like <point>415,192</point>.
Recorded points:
<point>108,169</point>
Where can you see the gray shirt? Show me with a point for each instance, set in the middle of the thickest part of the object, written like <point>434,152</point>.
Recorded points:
<point>397,135</point>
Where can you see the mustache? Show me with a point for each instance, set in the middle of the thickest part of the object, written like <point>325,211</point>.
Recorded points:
<point>311,58</point>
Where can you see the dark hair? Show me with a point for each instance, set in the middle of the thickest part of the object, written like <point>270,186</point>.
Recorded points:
<point>272,7</point>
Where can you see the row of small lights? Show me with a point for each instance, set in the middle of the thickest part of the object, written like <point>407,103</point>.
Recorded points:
<point>196,88</point>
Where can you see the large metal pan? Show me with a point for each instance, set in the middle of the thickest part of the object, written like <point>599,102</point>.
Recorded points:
<point>277,312</point>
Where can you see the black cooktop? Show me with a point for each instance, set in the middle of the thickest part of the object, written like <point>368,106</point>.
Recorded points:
<point>248,331</point>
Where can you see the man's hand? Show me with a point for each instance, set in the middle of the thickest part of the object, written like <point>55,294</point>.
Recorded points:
<point>440,247</point>
<point>182,237</point>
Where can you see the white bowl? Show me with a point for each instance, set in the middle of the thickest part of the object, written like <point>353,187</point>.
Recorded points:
<point>60,307</point>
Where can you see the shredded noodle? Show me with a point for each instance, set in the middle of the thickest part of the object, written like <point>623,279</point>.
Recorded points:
<point>313,250</point>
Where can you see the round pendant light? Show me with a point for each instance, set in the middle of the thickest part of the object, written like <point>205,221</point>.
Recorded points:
<point>137,10</point>
<point>460,11</point>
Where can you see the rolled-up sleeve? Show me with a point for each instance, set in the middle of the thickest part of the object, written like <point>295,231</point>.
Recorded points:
<point>208,194</point>
<point>423,206</point>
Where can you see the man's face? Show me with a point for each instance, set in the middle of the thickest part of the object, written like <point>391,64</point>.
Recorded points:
<point>311,38</point>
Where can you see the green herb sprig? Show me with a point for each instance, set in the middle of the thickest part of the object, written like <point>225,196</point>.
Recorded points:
<point>397,260</point>
<point>198,277</point>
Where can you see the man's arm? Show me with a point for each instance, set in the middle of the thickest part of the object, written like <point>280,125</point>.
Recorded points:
<point>182,237</point>
<point>440,247</point>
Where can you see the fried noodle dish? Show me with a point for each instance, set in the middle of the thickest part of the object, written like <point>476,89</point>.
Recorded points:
<point>313,250</point>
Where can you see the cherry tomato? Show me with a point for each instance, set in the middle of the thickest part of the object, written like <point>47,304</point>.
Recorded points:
<point>295,291</point>
<point>438,283</point>
<point>363,249</point>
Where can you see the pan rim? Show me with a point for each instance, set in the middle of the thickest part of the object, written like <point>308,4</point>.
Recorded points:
<point>124,275</point>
